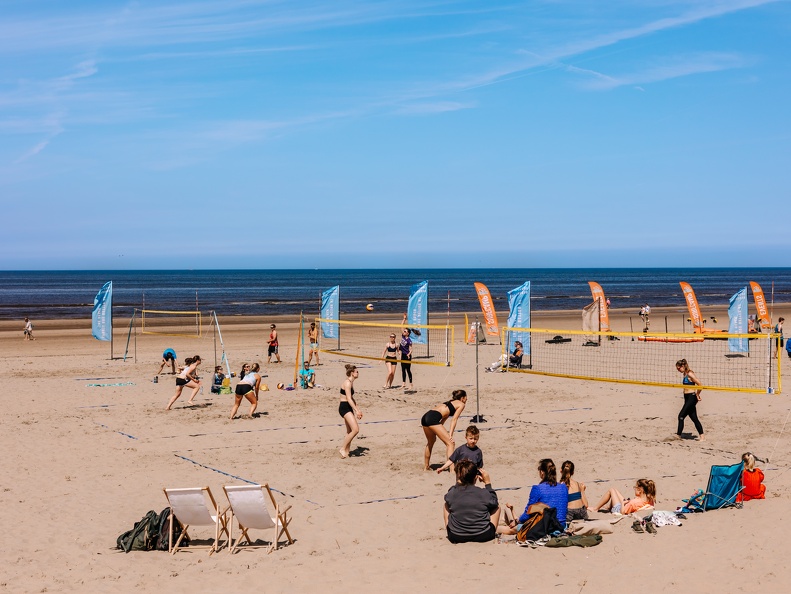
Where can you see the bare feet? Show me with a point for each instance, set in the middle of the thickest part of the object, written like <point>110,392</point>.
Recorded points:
<point>343,454</point>
<point>701,437</point>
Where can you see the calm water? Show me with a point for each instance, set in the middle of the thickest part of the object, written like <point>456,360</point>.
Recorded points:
<point>63,294</point>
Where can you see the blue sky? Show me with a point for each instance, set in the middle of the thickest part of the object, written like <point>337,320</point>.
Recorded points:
<point>266,134</point>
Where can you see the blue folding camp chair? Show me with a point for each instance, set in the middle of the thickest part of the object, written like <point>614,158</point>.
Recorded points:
<point>725,483</point>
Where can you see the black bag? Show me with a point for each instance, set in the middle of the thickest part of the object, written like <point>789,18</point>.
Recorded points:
<point>142,537</point>
<point>164,527</point>
<point>539,524</point>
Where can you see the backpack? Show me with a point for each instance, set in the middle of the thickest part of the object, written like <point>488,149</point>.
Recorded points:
<point>163,529</point>
<point>539,524</point>
<point>142,537</point>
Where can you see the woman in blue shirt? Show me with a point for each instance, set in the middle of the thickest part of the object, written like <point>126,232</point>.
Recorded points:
<point>548,492</point>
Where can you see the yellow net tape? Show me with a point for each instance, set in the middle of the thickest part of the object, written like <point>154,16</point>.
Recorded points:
<point>432,344</point>
<point>650,358</point>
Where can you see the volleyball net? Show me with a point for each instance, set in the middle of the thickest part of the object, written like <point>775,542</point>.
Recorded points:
<point>431,344</point>
<point>171,323</point>
<point>754,365</point>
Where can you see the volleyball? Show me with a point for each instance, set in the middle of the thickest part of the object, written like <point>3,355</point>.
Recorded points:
<point>280,386</point>
<point>370,307</point>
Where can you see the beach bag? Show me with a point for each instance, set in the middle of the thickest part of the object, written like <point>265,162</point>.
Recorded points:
<point>164,527</point>
<point>142,537</point>
<point>539,524</point>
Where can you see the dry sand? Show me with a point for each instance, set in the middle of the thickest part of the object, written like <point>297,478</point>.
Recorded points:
<point>82,464</point>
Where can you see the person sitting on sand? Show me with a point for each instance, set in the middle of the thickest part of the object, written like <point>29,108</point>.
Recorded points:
<point>578,502</point>
<point>219,376</point>
<point>248,387</point>
<point>512,360</point>
<point>433,423</point>
<point>307,377</point>
<point>466,451</point>
<point>548,492</point>
<point>752,480</point>
<point>471,513</point>
<point>644,498</point>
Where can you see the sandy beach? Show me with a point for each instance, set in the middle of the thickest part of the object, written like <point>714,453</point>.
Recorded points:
<point>84,462</point>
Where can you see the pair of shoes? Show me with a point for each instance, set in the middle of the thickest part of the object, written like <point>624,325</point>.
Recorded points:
<point>637,526</point>
<point>650,527</point>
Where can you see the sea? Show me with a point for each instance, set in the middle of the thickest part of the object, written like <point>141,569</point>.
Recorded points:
<point>70,294</point>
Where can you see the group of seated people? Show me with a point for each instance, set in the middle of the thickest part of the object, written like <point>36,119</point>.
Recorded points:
<point>473,514</point>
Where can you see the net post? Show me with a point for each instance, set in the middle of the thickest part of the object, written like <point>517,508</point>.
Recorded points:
<point>477,418</point>
<point>129,333</point>
<point>769,364</point>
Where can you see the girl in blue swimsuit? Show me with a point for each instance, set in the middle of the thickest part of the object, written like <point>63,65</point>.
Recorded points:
<point>691,399</point>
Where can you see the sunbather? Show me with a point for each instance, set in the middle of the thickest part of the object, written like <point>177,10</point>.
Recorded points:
<point>644,498</point>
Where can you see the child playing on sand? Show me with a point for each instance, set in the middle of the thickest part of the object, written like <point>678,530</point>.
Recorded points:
<point>752,480</point>
<point>467,451</point>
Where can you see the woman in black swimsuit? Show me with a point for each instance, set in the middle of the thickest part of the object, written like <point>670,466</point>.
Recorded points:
<point>348,410</point>
<point>390,355</point>
<point>433,423</point>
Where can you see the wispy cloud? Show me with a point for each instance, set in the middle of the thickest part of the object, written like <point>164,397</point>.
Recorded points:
<point>553,56</point>
<point>674,68</point>
<point>434,107</point>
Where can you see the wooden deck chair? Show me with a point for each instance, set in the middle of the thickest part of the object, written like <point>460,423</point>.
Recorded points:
<point>248,506</point>
<point>196,507</point>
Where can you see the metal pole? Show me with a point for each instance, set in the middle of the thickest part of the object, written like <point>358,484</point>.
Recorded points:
<point>447,336</point>
<point>477,373</point>
<point>666,330</point>
<point>339,318</point>
<point>769,365</point>
<point>428,321</point>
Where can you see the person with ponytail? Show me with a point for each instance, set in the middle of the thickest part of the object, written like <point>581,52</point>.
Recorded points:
<point>644,498</point>
<point>691,399</point>
<point>349,410</point>
<point>187,379</point>
<point>752,480</point>
<point>549,492</point>
<point>578,502</point>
